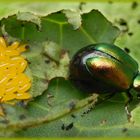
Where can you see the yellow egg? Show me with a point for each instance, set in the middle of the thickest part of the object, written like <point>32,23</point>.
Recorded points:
<point>8,97</point>
<point>23,78</point>
<point>11,90</point>
<point>22,48</point>
<point>2,90</point>
<point>10,53</point>
<point>4,80</point>
<point>12,82</point>
<point>4,65</point>
<point>2,42</point>
<point>24,95</point>
<point>2,56</point>
<point>24,88</point>
<point>22,66</point>
<point>14,45</point>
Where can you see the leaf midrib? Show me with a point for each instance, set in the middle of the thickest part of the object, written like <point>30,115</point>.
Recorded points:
<point>61,26</point>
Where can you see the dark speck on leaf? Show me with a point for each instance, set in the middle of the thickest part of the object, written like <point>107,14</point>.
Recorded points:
<point>63,127</point>
<point>22,24</point>
<point>139,21</point>
<point>124,130</point>
<point>73,116</point>
<point>69,126</point>
<point>110,2</point>
<point>47,61</point>
<point>81,5</point>
<point>134,5</point>
<point>72,105</point>
<point>127,50</point>
<point>27,46</point>
<point>130,33</point>
<point>22,117</point>
<point>21,104</point>
<point>122,22</point>
<point>88,110</point>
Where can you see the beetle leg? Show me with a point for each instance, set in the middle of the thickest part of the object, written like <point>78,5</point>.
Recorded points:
<point>107,97</point>
<point>130,98</point>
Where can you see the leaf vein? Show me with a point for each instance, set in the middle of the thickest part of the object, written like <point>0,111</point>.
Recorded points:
<point>91,39</point>
<point>57,22</point>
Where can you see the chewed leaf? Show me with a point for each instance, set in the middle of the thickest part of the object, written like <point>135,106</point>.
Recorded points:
<point>38,8</point>
<point>52,50</point>
<point>48,65</point>
<point>95,28</point>
<point>29,17</point>
<point>74,18</point>
<point>45,66</point>
<point>48,56</point>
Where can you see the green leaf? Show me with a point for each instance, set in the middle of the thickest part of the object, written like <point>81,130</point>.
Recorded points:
<point>108,118</point>
<point>49,53</point>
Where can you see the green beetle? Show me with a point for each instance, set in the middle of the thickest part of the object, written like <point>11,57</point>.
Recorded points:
<point>104,68</point>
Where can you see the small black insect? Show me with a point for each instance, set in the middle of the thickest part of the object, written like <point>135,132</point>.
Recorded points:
<point>68,127</point>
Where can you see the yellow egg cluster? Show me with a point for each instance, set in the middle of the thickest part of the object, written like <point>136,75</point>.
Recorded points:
<point>14,84</point>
